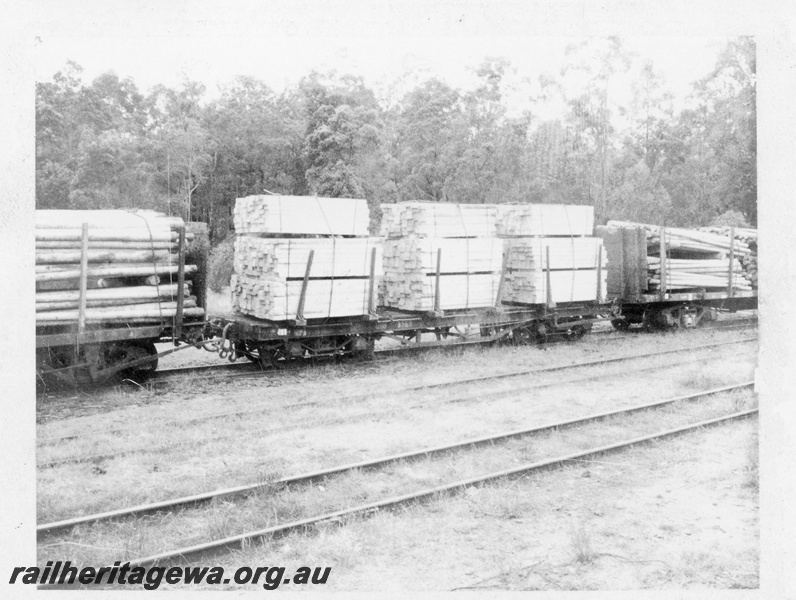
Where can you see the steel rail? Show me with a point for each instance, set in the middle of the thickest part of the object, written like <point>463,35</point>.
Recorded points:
<point>280,429</point>
<point>352,397</point>
<point>448,384</point>
<point>423,495</point>
<point>369,464</point>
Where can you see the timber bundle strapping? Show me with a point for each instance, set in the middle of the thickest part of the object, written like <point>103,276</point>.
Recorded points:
<point>131,267</point>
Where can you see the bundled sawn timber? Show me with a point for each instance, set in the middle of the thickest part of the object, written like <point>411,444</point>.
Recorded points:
<point>301,215</point>
<point>440,256</point>
<point>432,274</point>
<point>334,276</point>
<point>554,270</point>
<point>549,257</point>
<point>439,220</point>
<point>296,259</point>
<point>676,259</point>
<point>549,220</point>
<point>111,267</point>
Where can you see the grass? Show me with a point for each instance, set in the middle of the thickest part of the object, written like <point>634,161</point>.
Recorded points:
<point>581,544</point>
<point>243,449</point>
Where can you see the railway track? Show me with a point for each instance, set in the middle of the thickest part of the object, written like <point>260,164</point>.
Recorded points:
<point>327,516</point>
<point>371,464</point>
<point>410,389</point>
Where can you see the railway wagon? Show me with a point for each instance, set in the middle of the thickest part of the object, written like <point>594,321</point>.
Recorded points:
<point>272,342</point>
<point>99,316</point>
<point>657,282</point>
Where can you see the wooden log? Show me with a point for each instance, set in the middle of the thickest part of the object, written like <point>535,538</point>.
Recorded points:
<point>151,309</point>
<point>111,271</point>
<point>140,234</point>
<point>118,293</point>
<point>164,316</point>
<point>55,256</point>
<point>106,245</point>
<point>66,305</point>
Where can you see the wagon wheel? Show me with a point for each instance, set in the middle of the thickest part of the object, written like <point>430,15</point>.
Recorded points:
<point>522,336</point>
<point>620,324</point>
<point>248,349</point>
<point>488,331</point>
<point>575,333</point>
<point>124,352</point>
<point>271,356</point>
<point>541,333</point>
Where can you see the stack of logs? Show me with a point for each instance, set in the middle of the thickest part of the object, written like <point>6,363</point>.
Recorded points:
<point>440,256</point>
<point>748,237</point>
<point>697,259</point>
<point>550,243</point>
<point>292,262</point>
<point>127,262</point>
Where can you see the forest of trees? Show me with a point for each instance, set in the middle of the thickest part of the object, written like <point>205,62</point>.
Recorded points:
<point>108,145</point>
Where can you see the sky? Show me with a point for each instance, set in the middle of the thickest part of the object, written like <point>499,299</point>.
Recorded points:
<point>280,61</point>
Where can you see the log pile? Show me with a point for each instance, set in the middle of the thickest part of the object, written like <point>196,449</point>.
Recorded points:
<point>281,240</point>
<point>747,236</point>
<point>695,259</point>
<point>301,215</point>
<point>542,237</point>
<point>127,262</point>
<point>469,271</point>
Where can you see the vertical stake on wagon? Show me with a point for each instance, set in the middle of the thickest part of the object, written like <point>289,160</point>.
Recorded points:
<point>436,282</point>
<point>300,311</point>
<point>599,274</point>
<point>81,315</point>
<point>732,261</point>
<point>372,296</point>
<point>550,303</point>
<point>662,256</point>
<point>177,333</point>
<point>501,283</point>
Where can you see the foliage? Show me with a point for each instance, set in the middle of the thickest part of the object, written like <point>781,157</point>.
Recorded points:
<point>105,144</point>
<point>220,265</point>
<point>731,218</point>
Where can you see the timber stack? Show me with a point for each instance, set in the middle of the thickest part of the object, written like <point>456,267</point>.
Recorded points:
<point>683,259</point>
<point>304,258</point>
<point>440,256</point>
<point>550,254</point>
<point>110,267</point>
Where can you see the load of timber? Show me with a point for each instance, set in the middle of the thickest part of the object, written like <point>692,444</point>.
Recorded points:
<point>555,269</point>
<point>269,277</point>
<point>294,258</point>
<point>549,256</point>
<point>439,220</point>
<point>649,259</point>
<point>110,267</point>
<point>301,215</point>
<point>430,273</point>
<point>549,220</point>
